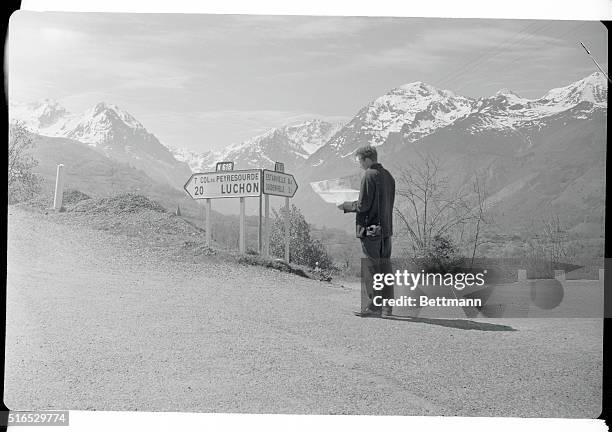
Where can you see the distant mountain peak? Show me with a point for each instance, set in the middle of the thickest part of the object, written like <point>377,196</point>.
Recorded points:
<point>49,103</point>
<point>422,89</point>
<point>419,104</point>
<point>596,77</point>
<point>103,111</point>
<point>291,144</point>
<point>99,107</point>
<point>414,110</point>
<point>38,115</point>
<point>417,85</point>
<point>592,88</point>
<point>506,92</point>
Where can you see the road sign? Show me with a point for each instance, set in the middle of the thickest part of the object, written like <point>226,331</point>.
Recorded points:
<point>281,184</point>
<point>228,184</point>
<point>279,167</point>
<point>225,166</point>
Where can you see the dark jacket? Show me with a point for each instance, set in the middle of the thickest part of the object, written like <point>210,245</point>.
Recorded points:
<point>376,199</point>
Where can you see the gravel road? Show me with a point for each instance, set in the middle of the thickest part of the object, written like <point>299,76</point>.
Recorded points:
<point>101,321</point>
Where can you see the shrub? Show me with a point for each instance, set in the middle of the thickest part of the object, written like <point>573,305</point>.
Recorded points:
<point>441,255</point>
<point>303,249</point>
<point>23,183</point>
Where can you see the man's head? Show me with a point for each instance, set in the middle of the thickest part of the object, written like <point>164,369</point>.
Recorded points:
<point>366,156</point>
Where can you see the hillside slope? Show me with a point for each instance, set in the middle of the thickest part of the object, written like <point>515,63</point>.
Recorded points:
<point>96,175</point>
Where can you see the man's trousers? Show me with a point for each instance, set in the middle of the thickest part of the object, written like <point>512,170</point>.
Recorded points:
<point>377,259</point>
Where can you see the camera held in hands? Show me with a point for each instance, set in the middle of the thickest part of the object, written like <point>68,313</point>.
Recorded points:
<point>373,231</point>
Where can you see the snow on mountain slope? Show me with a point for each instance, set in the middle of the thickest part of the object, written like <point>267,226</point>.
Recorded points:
<point>109,130</point>
<point>413,111</point>
<point>198,162</point>
<point>506,110</point>
<point>423,106</point>
<point>316,148</point>
<point>37,115</point>
<point>99,124</point>
<point>308,137</point>
<point>291,144</point>
<point>593,88</point>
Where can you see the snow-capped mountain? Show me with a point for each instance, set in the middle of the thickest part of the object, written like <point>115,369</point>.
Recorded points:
<point>308,137</point>
<point>37,115</point>
<point>593,89</point>
<point>100,124</point>
<point>508,111</point>
<point>413,111</point>
<point>423,106</point>
<point>197,162</point>
<point>420,105</point>
<point>536,153</point>
<point>291,144</point>
<point>109,130</point>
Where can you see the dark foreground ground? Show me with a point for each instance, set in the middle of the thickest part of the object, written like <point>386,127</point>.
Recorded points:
<point>102,321</point>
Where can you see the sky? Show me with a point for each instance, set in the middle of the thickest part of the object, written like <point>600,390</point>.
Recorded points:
<point>204,82</point>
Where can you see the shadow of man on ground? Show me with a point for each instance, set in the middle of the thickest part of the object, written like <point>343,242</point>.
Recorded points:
<point>455,323</point>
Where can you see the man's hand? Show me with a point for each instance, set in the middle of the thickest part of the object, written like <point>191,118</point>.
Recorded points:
<point>347,206</point>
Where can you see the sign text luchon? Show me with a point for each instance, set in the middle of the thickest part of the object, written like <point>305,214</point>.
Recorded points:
<point>229,184</point>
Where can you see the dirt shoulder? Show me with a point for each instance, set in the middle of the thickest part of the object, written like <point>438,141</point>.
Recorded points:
<point>145,224</point>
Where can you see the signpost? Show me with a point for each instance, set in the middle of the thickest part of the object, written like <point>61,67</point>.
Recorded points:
<point>224,166</point>
<point>208,224</point>
<point>229,184</point>
<point>266,233</point>
<point>287,213</point>
<point>226,182</point>
<point>242,244</point>
<point>279,184</point>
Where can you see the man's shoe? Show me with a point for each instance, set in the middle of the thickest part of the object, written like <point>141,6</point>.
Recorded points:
<point>368,313</point>
<point>386,313</point>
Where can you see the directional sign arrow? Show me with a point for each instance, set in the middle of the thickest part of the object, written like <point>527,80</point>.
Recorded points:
<point>224,184</point>
<point>278,183</point>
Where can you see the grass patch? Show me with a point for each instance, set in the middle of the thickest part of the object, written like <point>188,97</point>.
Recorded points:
<point>275,264</point>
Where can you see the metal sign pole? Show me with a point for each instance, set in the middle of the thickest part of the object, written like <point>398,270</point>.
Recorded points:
<point>259,237</point>
<point>287,229</point>
<point>242,227</point>
<point>208,222</point>
<point>266,242</point>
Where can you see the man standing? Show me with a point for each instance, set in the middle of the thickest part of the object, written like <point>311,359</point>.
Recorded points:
<point>374,225</point>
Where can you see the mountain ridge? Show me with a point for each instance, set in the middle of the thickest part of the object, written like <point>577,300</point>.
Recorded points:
<point>560,136</point>
<point>398,112</point>
<point>109,130</point>
<point>292,144</point>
